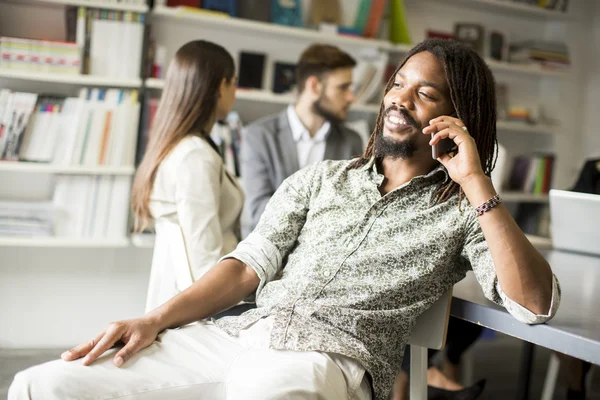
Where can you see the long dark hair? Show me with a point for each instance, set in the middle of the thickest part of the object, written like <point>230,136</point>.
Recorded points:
<point>188,102</point>
<point>473,95</point>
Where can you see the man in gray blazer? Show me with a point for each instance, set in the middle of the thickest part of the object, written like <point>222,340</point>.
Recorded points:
<point>305,133</point>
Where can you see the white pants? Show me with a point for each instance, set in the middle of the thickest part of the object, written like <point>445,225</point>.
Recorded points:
<point>200,361</point>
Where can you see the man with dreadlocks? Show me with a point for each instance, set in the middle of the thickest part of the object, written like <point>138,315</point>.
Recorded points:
<point>344,259</point>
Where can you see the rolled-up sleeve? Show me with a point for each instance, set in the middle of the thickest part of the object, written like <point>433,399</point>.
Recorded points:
<point>479,258</point>
<point>267,247</point>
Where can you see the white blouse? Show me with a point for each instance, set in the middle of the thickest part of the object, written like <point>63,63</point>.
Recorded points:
<point>196,205</point>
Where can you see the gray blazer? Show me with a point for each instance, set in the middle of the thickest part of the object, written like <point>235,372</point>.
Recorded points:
<point>269,155</point>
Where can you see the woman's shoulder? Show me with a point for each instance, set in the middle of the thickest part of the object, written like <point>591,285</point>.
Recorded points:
<point>192,148</point>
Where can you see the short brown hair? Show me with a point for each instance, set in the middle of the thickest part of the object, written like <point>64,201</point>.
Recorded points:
<point>318,60</point>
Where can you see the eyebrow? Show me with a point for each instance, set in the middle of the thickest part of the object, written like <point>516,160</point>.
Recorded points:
<point>423,83</point>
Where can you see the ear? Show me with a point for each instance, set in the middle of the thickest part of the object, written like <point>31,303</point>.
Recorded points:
<point>314,85</point>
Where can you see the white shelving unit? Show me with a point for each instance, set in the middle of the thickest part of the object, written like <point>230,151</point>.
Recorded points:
<point>41,168</point>
<point>524,197</point>
<point>511,8</point>
<point>63,242</point>
<point>528,69</point>
<point>540,242</point>
<point>519,127</point>
<point>70,79</point>
<point>143,240</point>
<point>119,6</point>
<point>264,96</point>
<point>256,27</point>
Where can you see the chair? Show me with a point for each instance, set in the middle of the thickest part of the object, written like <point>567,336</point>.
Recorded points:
<point>429,333</point>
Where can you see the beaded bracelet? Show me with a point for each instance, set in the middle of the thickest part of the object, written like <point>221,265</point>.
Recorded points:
<point>488,205</point>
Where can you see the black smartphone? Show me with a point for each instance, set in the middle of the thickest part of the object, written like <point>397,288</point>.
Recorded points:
<point>443,146</point>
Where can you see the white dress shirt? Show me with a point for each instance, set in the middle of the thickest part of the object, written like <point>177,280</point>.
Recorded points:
<point>311,150</point>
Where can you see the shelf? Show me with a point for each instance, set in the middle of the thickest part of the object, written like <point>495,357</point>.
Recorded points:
<point>72,79</point>
<point>42,168</point>
<point>511,126</point>
<point>264,96</point>
<point>540,242</point>
<point>226,23</point>
<point>143,240</point>
<point>512,8</point>
<point>524,197</point>
<point>527,69</point>
<point>400,48</point>
<point>62,242</point>
<point>112,5</point>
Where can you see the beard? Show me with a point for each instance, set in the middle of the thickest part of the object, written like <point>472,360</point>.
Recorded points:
<point>321,108</point>
<point>396,149</point>
<point>388,147</point>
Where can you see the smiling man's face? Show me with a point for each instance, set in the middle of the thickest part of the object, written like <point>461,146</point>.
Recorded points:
<point>419,94</point>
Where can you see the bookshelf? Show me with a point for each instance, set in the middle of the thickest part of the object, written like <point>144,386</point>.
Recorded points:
<point>57,169</point>
<point>143,240</point>
<point>519,127</point>
<point>539,241</point>
<point>255,28</point>
<point>527,69</point>
<point>70,79</point>
<point>62,242</point>
<point>512,8</point>
<point>109,5</point>
<point>524,197</point>
<point>264,96</point>
<point>502,66</point>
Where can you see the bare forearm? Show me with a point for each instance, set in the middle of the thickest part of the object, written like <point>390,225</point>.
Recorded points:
<point>523,273</point>
<point>225,285</point>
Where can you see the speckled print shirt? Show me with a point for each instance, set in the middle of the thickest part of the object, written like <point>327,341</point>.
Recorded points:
<point>345,270</point>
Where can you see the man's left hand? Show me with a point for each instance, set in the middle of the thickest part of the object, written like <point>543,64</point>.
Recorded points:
<point>465,165</point>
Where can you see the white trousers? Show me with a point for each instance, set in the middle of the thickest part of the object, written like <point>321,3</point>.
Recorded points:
<point>200,361</point>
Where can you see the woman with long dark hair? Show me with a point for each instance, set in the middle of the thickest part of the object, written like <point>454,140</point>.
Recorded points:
<point>182,183</point>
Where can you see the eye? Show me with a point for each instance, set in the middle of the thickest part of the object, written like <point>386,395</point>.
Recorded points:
<point>397,84</point>
<point>427,96</point>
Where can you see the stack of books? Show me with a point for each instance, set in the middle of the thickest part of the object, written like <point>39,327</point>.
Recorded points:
<point>92,206</point>
<point>26,219</point>
<point>111,41</point>
<point>40,55</point>
<point>551,55</point>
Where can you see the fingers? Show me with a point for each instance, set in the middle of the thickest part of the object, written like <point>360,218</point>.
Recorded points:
<point>457,135</point>
<point>438,126</point>
<point>82,349</point>
<point>132,347</point>
<point>113,334</point>
<point>447,119</point>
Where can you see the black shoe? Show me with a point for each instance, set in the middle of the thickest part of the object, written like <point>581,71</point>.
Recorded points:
<point>468,393</point>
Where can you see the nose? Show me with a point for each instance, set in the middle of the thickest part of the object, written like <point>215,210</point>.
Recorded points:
<point>401,97</point>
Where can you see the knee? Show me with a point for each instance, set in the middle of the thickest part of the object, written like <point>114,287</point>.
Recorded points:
<point>39,382</point>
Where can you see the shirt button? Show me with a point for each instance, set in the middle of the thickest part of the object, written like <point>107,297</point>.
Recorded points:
<point>350,246</point>
<point>326,274</point>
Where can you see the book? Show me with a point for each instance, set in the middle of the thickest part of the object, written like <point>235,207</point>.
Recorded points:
<point>374,20</point>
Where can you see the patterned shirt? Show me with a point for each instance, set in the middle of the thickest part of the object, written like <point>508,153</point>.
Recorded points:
<point>346,270</point>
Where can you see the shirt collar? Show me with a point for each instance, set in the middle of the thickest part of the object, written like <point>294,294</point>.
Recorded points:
<point>378,178</point>
<point>299,131</point>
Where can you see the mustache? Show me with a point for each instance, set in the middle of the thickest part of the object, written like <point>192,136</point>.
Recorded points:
<point>405,115</point>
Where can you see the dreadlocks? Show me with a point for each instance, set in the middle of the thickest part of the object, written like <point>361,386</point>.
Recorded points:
<point>472,92</point>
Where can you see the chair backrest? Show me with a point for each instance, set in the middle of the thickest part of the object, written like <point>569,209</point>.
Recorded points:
<point>432,326</point>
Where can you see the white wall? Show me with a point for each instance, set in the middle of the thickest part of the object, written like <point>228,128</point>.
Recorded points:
<point>591,101</point>
<point>59,297</point>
